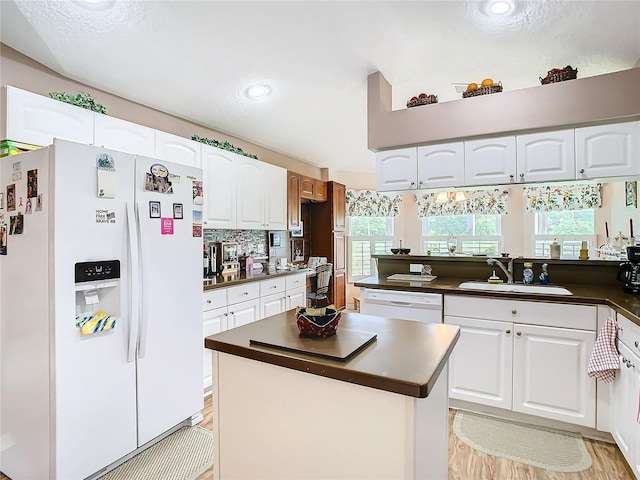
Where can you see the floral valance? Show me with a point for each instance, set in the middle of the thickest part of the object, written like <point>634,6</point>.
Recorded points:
<point>369,203</point>
<point>478,201</point>
<point>562,197</point>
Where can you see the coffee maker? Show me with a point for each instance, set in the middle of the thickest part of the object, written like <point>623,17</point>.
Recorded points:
<point>629,272</point>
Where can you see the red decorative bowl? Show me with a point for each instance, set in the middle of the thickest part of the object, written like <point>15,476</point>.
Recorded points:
<point>320,326</point>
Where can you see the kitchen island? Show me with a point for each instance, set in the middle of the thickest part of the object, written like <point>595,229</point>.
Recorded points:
<point>381,413</point>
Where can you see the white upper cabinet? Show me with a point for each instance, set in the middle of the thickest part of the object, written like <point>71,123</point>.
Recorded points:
<point>37,120</point>
<point>441,165</point>
<point>275,197</point>
<point>173,148</point>
<point>262,195</point>
<point>124,136</point>
<point>219,187</point>
<point>490,161</point>
<point>396,170</point>
<point>608,150</point>
<point>546,156</point>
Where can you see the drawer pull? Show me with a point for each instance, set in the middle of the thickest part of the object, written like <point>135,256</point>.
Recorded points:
<point>636,344</point>
<point>274,286</point>
<point>518,333</point>
<point>513,312</point>
<point>245,293</point>
<point>208,301</point>
<point>508,332</point>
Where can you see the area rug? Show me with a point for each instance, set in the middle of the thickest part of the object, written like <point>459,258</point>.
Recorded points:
<point>183,455</point>
<point>540,447</point>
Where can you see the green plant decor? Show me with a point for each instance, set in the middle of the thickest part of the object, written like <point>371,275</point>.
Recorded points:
<point>82,99</point>
<point>223,145</point>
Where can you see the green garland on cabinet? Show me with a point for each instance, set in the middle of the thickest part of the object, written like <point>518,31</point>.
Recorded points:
<point>223,145</point>
<point>83,100</point>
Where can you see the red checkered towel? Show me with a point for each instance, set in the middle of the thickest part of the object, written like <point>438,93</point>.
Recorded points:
<point>604,361</point>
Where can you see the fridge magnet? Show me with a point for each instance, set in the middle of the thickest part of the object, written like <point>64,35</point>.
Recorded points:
<point>105,216</point>
<point>158,179</point>
<point>154,210</point>
<point>107,181</point>
<point>32,183</point>
<point>20,202</point>
<point>11,197</point>
<point>27,208</point>
<point>174,178</point>
<point>197,192</point>
<point>631,194</point>
<point>197,230</point>
<point>16,223</point>
<point>166,226</point>
<point>177,211</point>
<point>197,217</point>
<point>17,171</point>
<point>3,239</point>
<point>39,202</point>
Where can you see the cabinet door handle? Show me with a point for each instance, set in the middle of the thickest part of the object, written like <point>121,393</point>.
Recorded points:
<point>508,332</point>
<point>636,344</point>
<point>413,183</point>
<point>522,177</point>
<point>513,312</point>
<point>209,301</point>
<point>518,333</point>
<point>582,170</point>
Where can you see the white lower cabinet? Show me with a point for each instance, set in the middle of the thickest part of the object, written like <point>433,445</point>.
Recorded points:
<point>214,321</point>
<point>296,298</point>
<point>243,313</point>
<point>508,358</point>
<point>625,392</point>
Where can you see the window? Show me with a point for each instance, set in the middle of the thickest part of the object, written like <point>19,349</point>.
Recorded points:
<point>471,233</point>
<point>368,236</point>
<point>569,227</point>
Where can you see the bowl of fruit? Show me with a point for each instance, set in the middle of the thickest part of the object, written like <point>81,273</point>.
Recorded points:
<point>559,75</point>
<point>486,87</point>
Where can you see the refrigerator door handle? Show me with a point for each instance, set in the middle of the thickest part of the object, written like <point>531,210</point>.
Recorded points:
<point>134,311</point>
<point>144,321</point>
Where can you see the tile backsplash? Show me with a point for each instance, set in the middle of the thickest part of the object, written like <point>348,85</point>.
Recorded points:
<point>250,242</point>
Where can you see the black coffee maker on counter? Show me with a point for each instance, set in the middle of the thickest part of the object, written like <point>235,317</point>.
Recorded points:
<point>629,272</point>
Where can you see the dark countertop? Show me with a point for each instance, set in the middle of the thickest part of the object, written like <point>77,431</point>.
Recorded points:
<point>406,358</point>
<point>222,281</point>
<point>613,296</point>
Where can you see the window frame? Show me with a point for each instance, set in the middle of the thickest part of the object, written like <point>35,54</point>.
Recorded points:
<point>372,239</point>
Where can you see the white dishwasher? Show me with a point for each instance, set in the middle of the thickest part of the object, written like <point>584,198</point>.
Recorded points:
<point>422,307</point>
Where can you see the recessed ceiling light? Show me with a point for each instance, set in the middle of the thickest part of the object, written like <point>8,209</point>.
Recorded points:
<point>258,91</point>
<point>499,7</point>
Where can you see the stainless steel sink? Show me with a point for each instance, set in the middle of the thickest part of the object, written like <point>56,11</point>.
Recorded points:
<point>515,288</point>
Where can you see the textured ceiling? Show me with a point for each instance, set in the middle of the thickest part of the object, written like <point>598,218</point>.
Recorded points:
<point>194,59</point>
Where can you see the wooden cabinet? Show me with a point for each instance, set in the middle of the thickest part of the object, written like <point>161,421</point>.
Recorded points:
<point>608,150</point>
<point>117,134</point>
<point>624,394</point>
<point>490,161</point>
<point>546,156</point>
<point>313,189</point>
<point>396,170</point>
<point>176,149</point>
<point>35,119</point>
<point>524,356</point>
<point>294,211</point>
<point>441,165</point>
<point>328,223</point>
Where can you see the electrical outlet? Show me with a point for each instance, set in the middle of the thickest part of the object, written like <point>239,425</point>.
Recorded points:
<point>415,267</point>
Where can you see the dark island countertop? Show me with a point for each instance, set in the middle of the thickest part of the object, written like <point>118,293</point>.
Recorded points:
<point>613,296</point>
<point>407,357</point>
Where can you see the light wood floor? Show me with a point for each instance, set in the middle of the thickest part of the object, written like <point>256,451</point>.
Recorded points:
<point>468,464</point>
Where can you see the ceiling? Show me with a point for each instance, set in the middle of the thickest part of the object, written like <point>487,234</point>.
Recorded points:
<point>195,59</point>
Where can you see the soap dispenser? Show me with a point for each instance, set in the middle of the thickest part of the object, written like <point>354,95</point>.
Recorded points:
<point>527,273</point>
<point>554,249</point>
<point>544,276</point>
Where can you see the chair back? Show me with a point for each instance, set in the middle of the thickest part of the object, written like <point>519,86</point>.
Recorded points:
<point>323,276</point>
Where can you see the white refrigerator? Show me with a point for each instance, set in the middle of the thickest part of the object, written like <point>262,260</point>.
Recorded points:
<point>93,233</point>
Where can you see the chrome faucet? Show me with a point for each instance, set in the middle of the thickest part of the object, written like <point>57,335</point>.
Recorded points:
<point>507,271</point>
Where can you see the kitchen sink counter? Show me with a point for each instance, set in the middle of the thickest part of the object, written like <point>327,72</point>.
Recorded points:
<point>330,405</point>
<point>222,281</point>
<point>610,295</point>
